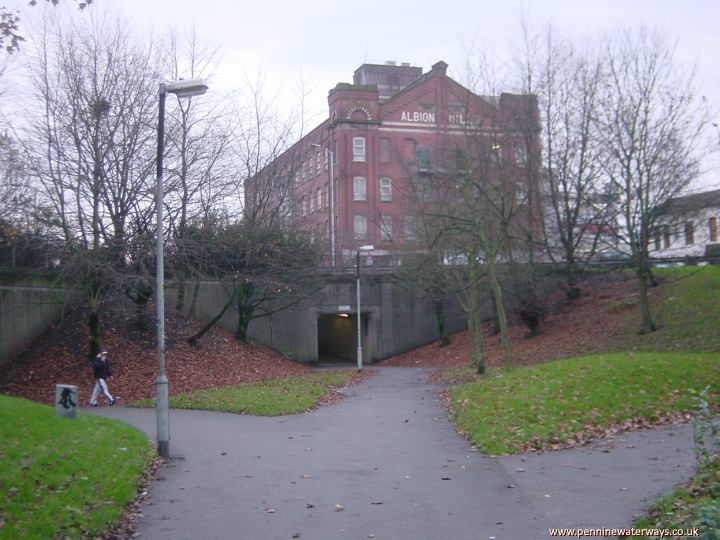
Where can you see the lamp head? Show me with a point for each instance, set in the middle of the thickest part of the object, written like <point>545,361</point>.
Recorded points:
<point>183,89</point>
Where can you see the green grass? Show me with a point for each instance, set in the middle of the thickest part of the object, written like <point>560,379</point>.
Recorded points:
<point>686,311</point>
<point>268,398</point>
<point>61,478</point>
<point>550,403</point>
<point>682,509</point>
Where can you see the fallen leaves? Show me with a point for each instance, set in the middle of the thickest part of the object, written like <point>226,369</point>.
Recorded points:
<point>221,360</point>
<point>571,330</point>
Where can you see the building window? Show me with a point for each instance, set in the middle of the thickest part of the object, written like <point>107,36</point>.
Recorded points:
<point>303,207</point>
<point>385,150</point>
<point>359,189</point>
<point>318,198</point>
<point>422,157</point>
<point>311,202</point>
<point>386,228</point>
<point>325,196</point>
<point>409,149</point>
<point>689,233</point>
<point>385,189</point>
<point>318,166</point>
<point>462,163</point>
<point>667,237</point>
<point>327,158</point>
<point>658,242</point>
<point>358,148</point>
<point>360,227</point>
<point>521,155</point>
<point>410,228</point>
<point>712,225</point>
<point>421,188</point>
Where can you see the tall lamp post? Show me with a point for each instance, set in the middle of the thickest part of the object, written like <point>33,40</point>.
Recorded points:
<point>359,316</point>
<point>181,89</point>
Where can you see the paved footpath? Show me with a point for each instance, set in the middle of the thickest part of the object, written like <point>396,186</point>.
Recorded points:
<point>387,464</point>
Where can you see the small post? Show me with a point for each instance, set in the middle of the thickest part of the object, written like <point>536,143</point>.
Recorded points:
<point>66,400</point>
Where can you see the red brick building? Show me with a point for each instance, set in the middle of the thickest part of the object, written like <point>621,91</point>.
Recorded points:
<point>346,182</point>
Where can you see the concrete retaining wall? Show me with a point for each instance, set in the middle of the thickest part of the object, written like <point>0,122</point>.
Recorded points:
<point>25,312</point>
<point>397,320</point>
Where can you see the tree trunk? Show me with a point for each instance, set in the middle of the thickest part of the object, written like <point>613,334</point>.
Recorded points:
<point>573,291</point>
<point>476,343</point>
<point>502,316</point>
<point>495,318</point>
<point>192,312</point>
<point>95,328</point>
<point>245,309</point>
<point>140,294</point>
<point>647,322</point>
<point>476,348</point>
<point>193,340</point>
<point>94,323</point>
<point>181,284</point>
<point>439,306</point>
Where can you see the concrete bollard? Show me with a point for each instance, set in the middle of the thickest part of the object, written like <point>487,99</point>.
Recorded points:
<point>66,400</point>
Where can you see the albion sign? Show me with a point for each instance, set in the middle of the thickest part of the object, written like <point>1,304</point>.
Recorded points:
<point>429,117</point>
<point>417,116</point>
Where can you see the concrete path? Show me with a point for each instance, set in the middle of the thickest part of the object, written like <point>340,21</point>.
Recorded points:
<point>387,464</point>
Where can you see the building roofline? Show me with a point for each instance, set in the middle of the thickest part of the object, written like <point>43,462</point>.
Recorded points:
<point>691,202</point>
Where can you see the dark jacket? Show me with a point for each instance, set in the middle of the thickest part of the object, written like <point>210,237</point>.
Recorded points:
<point>101,368</point>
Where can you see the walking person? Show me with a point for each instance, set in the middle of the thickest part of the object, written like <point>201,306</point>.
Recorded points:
<point>101,372</point>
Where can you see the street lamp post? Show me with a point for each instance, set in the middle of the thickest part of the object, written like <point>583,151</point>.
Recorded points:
<point>181,89</point>
<point>359,316</point>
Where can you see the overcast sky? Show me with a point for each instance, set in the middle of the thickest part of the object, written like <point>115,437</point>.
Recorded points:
<point>318,43</point>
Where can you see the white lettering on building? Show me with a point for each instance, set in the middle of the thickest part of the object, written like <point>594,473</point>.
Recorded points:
<point>417,116</point>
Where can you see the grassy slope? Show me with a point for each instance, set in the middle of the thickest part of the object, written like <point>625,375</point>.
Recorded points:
<point>553,403</point>
<point>686,312</point>
<point>64,478</point>
<point>545,404</point>
<point>268,398</point>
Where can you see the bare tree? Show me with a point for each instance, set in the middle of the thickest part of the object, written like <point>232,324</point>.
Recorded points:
<point>263,269</point>
<point>469,204</point>
<point>15,188</point>
<point>252,249</point>
<point>574,198</point>
<point>198,147</point>
<point>91,148</point>
<point>10,37</point>
<point>651,123</point>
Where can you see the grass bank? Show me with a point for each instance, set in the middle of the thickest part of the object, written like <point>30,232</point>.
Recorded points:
<point>553,403</point>
<point>61,478</point>
<point>685,308</point>
<point>268,398</point>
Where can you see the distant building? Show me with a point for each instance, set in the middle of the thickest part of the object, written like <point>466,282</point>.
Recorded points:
<point>687,226</point>
<point>346,182</point>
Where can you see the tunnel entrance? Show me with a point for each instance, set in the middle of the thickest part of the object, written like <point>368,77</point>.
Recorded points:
<point>337,338</point>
